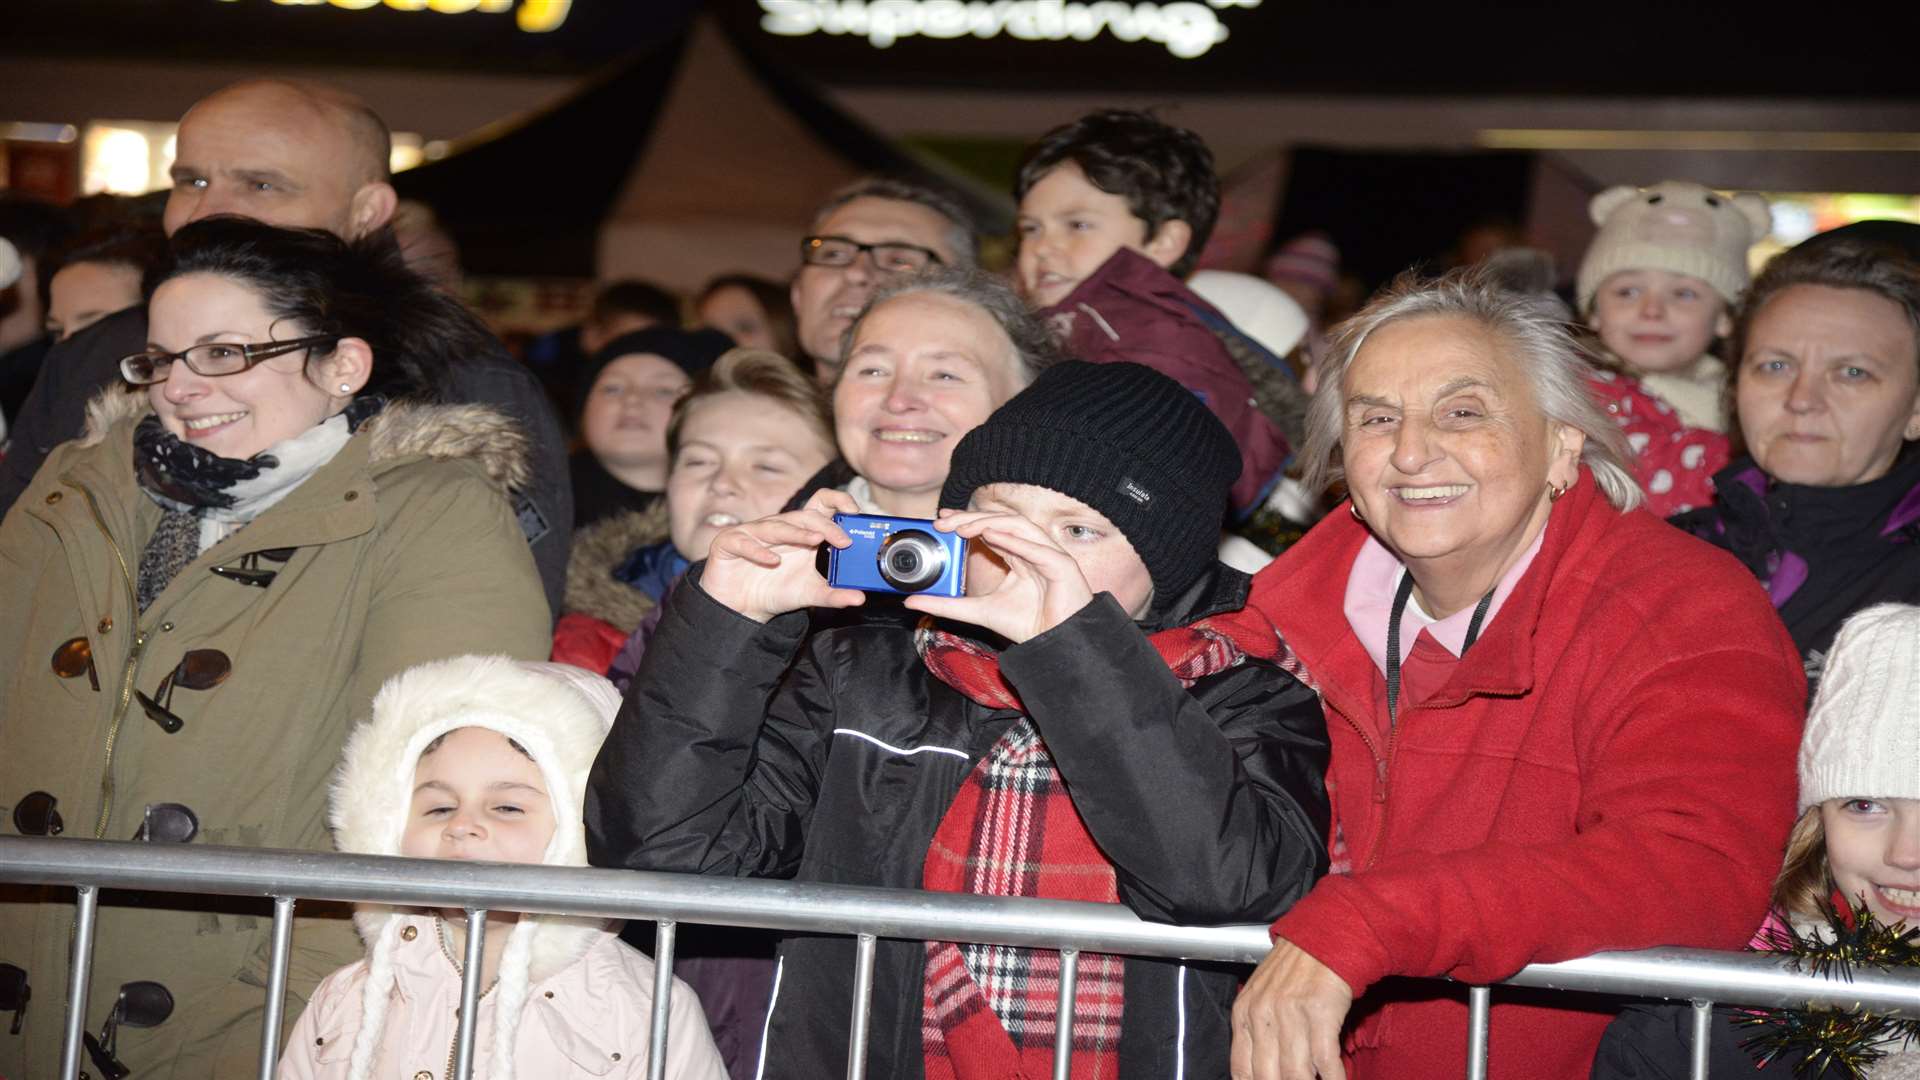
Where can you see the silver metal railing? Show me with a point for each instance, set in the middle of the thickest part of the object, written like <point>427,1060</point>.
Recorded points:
<point>1696,975</point>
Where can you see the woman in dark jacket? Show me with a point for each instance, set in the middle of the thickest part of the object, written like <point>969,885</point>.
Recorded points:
<point>1825,509</point>
<point>872,753</point>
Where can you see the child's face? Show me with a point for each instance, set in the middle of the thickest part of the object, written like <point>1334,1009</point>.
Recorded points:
<point>1068,228</point>
<point>1655,321</point>
<point>625,419</point>
<point>1096,545</point>
<point>1873,850</point>
<point>476,796</point>
<point>741,457</point>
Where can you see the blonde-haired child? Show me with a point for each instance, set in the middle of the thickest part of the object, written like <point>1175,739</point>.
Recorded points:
<point>1658,286</point>
<point>1857,844</point>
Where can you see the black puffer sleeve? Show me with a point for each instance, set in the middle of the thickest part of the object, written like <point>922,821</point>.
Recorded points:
<point>1211,802</point>
<point>1654,1042</point>
<point>715,757</point>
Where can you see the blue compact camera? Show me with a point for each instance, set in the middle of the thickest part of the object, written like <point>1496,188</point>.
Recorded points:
<point>897,555</point>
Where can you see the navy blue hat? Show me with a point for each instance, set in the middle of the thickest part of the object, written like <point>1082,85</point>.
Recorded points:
<point>693,351</point>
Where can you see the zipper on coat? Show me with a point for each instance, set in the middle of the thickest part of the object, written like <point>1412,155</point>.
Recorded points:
<point>1380,776</point>
<point>133,659</point>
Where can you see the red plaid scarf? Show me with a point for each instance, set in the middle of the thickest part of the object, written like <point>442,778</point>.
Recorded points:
<point>988,1011</point>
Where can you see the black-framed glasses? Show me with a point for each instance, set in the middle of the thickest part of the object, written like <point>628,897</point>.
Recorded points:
<point>36,814</point>
<point>214,358</point>
<point>199,669</point>
<point>839,252</point>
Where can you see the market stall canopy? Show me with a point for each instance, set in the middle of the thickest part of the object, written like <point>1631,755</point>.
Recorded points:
<point>691,158</point>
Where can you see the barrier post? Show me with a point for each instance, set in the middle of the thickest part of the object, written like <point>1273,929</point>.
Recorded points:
<point>663,941</point>
<point>470,994</point>
<point>87,903</point>
<point>276,985</point>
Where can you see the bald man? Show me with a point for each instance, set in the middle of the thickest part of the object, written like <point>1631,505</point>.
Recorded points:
<point>302,155</point>
<point>297,155</point>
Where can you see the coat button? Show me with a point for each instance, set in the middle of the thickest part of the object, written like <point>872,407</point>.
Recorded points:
<point>105,625</point>
<point>549,995</point>
<point>616,1056</point>
<point>409,933</point>
<point>54,497</point>
<point>321,1041</point>
<point>166,628</point>
<point>352,495</point>
<point>423,1075</point>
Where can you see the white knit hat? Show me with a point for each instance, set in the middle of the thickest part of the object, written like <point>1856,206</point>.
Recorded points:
<point>1256,308</point>
<point>560,715</point>
<point>1676,226</point>
<point>1863,733</point>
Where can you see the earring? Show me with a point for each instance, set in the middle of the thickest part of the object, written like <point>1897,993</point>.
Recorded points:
<point>1554,493</point>
<point>1354,509</point>
<point>346,388</point>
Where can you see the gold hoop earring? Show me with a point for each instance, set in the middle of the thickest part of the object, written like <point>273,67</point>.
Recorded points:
<point>1354,509</point>
<point>1554,493</point>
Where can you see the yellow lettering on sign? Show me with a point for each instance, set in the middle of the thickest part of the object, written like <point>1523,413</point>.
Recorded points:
<point>540,16</point>
<point>533,16</point>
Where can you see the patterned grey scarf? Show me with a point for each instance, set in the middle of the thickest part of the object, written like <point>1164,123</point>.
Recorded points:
<point>205,498</point>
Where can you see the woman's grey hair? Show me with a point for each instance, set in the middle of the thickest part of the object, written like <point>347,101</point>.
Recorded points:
<point>1539,340</point>
<point>1034,347</point>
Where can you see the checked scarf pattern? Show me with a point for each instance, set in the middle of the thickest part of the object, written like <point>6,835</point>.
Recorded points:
<point>989,1011</point>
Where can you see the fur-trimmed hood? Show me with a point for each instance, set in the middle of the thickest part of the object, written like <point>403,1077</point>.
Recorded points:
<point>402,431</point>
<point>597,551</point>
<point>560,715</point>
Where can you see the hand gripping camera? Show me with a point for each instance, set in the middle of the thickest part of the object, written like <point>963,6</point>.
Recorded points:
<point>897,555</point>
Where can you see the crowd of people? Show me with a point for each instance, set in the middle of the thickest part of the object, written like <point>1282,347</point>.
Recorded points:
<point>300,555</point>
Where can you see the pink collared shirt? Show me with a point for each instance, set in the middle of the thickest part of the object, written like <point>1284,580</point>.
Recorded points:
<point>1369,603</point>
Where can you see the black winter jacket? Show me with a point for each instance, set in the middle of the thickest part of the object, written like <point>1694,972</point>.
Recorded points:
<point>763,751</point>
<point>1824,553</point>
<point>1655,1042</point>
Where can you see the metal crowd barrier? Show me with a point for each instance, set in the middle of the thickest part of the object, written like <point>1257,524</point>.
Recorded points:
<point>1697,975</point>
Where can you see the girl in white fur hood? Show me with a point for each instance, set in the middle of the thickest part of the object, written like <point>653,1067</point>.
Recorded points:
<point>484,758</point>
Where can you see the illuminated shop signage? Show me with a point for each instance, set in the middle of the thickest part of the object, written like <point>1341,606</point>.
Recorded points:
<point>1187,30</point>
<point>533,16</point>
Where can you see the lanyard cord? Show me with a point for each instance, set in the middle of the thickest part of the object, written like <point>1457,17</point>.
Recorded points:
<point>1400,598</point>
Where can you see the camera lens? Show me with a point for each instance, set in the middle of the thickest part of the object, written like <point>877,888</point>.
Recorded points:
<point>911,560</point>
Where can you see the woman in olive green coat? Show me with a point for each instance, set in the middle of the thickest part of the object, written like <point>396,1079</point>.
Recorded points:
<point>205,591</point>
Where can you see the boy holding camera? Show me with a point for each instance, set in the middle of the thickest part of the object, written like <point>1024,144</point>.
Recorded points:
<point>1115,209</point>
<point>1088,734</point>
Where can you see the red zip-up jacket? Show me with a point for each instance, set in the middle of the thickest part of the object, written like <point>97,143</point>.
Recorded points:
<point>1611,766</point>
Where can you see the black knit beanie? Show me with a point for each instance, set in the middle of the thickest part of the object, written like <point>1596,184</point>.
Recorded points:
<point>693,351</point>
<point>1127,441</point>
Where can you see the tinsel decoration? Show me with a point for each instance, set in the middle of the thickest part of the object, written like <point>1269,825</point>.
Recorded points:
<point>1826,1038</point>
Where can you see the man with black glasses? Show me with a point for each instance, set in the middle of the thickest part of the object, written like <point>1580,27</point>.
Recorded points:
<point>863,236</point>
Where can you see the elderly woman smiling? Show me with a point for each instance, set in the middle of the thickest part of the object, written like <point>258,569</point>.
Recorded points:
<point>1826,509</point>
<point>1545,741</point>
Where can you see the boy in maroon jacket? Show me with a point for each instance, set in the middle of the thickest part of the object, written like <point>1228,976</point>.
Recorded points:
<point>1114,211</point>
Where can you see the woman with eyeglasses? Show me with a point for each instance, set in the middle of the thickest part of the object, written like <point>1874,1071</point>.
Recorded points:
<point>203,592</point>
